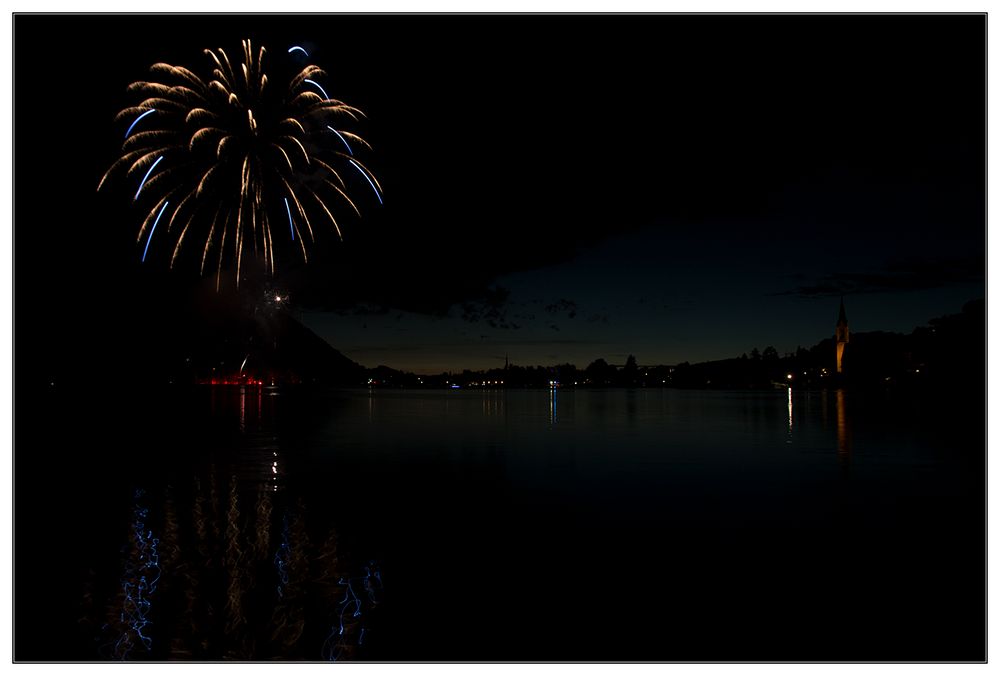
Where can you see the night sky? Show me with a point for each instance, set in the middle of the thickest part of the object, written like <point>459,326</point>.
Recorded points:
<point>557,188</point>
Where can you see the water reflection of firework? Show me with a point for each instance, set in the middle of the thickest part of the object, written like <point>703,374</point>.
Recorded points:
<point>259,590</point>
<point>130,615</point>
<point>361,595</point>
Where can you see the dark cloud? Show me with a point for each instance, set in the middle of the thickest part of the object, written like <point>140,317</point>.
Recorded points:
<point>495,308</point>
<point>551,341</point>
<point>912,275</point>
<point>367,309</point>
<point>562,306</point>
<point>491,307</point>
<point>364,309</point>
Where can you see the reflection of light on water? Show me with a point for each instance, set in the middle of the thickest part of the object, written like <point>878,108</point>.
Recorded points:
<point>294,581</point>
<point>282,555</point>
<point>553,406</point>
<point>141,575</point>
<point>843,429</point>
<point>263,534</point>
<point>789,409</point>
<point>240,577</point>
<point>223,601</point>
<point>351,606</point>
<point>493,401</point>
<point>235,620</point>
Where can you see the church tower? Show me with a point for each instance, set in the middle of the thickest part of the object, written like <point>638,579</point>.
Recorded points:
<point>842,336</point>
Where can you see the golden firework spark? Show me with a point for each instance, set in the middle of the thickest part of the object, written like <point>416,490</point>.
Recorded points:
<point>219,158</point>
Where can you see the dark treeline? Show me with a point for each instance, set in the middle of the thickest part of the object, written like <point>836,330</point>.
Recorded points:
<point>262,343</point>
<point>949,350</point>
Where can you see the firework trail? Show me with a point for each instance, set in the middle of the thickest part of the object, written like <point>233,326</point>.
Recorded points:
<point>217,158</point>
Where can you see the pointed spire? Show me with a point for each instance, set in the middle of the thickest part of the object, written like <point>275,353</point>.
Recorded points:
<point>843,313</point>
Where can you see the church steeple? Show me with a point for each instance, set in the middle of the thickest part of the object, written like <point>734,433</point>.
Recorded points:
<point>842,336</point>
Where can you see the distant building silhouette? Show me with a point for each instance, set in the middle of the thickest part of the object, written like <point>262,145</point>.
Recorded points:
<point>842,337</point>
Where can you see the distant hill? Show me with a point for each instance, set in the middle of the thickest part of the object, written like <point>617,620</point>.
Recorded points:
<point>204,336</point>
<point>266,344</point>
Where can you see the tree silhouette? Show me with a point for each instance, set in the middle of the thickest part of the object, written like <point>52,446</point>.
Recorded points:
<point>600,372</point>
<point>630,374</point>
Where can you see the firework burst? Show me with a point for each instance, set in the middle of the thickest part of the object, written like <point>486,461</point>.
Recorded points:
<point>251,159</point>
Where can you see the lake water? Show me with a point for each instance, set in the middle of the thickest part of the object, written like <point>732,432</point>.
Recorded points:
<point>618,524</point>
